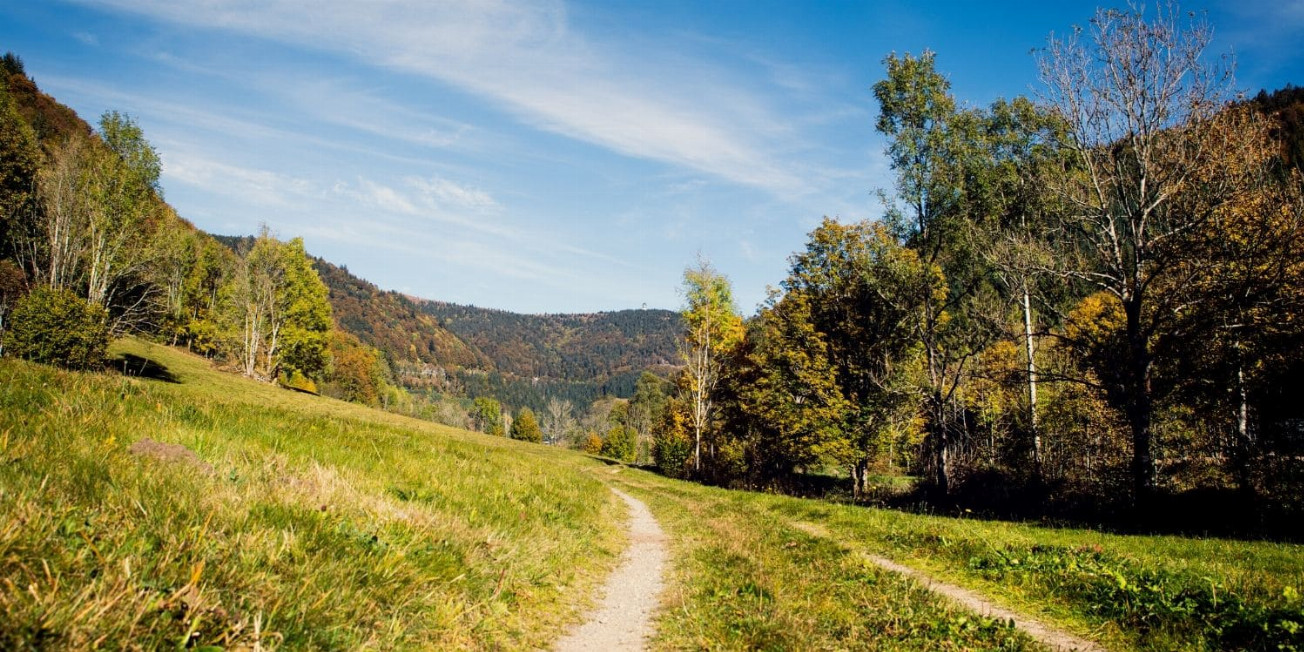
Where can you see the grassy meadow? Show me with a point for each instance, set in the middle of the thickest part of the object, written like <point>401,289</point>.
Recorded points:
<point>759,571</point>
<point>320,525</point>
<point>311,523</point>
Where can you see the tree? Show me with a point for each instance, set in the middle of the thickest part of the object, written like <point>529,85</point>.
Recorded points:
<point>931,151</point>
<point>123,214</point>
<point>792,397</point>
<point>1019,154</point>
<point>19,166</point>
<point>559,419</point>
<point>525,427</point>
<point>646,409</point>
<point>303,311</point>
<point>713,326</point>
<point>1134,96</point>
<point>281,311</point>
<point>487,416</point>
<point>620,444</point>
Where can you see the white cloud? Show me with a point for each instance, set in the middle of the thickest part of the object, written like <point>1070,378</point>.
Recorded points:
<point>258,187</point>
<point>524,57</point>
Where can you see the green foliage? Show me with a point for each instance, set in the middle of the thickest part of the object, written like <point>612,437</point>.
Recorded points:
<point>19,162</point>
<point>621,443</point>
<point>303,304</point>
<point>55,326</point>
<point>525,427</point>
<point>1154,602</point>
<point>487,416</point>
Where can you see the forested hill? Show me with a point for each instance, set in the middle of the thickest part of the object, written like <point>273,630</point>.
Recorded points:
<point>580,347</point>
<point>394,323</point>
<point>1286,106</point>
<point>519,359</point>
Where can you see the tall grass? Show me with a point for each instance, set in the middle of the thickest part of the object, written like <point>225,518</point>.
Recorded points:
<point>320,524</point>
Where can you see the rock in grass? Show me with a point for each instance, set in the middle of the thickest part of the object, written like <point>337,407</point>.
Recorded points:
<point>170,453</point>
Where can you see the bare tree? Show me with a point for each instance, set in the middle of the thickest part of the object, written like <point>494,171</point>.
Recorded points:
<point>1133,93</point>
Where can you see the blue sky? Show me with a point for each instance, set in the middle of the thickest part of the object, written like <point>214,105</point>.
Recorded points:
<point>544,156</point>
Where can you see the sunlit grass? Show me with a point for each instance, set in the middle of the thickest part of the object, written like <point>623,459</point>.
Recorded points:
<point>321,524</point>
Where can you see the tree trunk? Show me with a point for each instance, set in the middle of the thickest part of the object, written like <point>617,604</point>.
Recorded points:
<point>1244,445</point>
<point>1033,432</point>
<point>1140,407</point>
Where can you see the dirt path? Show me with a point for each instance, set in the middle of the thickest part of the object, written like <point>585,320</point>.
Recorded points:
<point>623,621</point>
<point>1052,637</point>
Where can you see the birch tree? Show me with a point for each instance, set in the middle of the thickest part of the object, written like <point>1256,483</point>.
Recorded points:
<point>712,327</point>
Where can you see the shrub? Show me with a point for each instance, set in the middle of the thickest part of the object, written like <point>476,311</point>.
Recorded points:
<point>592,443</point>
<point>525,427</point>
<point>55,326</point>
<point>620,444</point>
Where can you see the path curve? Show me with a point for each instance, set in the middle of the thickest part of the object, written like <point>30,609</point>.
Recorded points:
<point>1050,636</point>
<point>623,621</point>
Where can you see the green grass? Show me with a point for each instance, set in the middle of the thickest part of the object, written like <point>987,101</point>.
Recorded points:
<point>322,525</point>
<point>328,525</point>
<point>774,572</point>
<point>748,577</point>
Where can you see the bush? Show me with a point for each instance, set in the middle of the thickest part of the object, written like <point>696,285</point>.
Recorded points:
<point>55,326</point>
<point>592,443</point>
<point>525,427</point>
<point>620,444</point>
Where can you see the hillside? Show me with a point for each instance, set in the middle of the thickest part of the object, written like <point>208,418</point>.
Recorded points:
<point>393,323</point>
<point>594,347</point>
<point>302,522</point>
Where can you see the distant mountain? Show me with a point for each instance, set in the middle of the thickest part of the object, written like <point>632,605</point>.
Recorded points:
<point>394,323</point>
<point>521,360</point>
<point>595,347</point>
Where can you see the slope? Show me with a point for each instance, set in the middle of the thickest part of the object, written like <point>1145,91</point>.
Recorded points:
<point>594,347</point>
<point>305,522</point>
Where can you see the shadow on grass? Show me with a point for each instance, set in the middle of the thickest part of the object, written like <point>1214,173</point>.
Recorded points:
<point>131,364</point>
<point>1216,513</point>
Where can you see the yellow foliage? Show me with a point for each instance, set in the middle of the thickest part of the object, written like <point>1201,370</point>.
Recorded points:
<point>592,443</point>
<point>1095,317</point>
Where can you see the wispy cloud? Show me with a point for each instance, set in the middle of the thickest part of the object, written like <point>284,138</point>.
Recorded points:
<point>526,58</point>
<point>262,188</point>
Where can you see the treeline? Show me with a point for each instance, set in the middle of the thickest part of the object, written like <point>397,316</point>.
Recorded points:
<point>89,250</point>
<point>1087,303</point>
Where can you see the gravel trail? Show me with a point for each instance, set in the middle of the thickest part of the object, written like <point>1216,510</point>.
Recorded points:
<point>623,621</point>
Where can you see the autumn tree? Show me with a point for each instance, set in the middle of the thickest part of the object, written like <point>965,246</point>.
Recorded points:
<point>525,427</point>
<point>1134,95</point>
<point>863,291</point>
<point>792,397</point>
<point>712,327</point>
